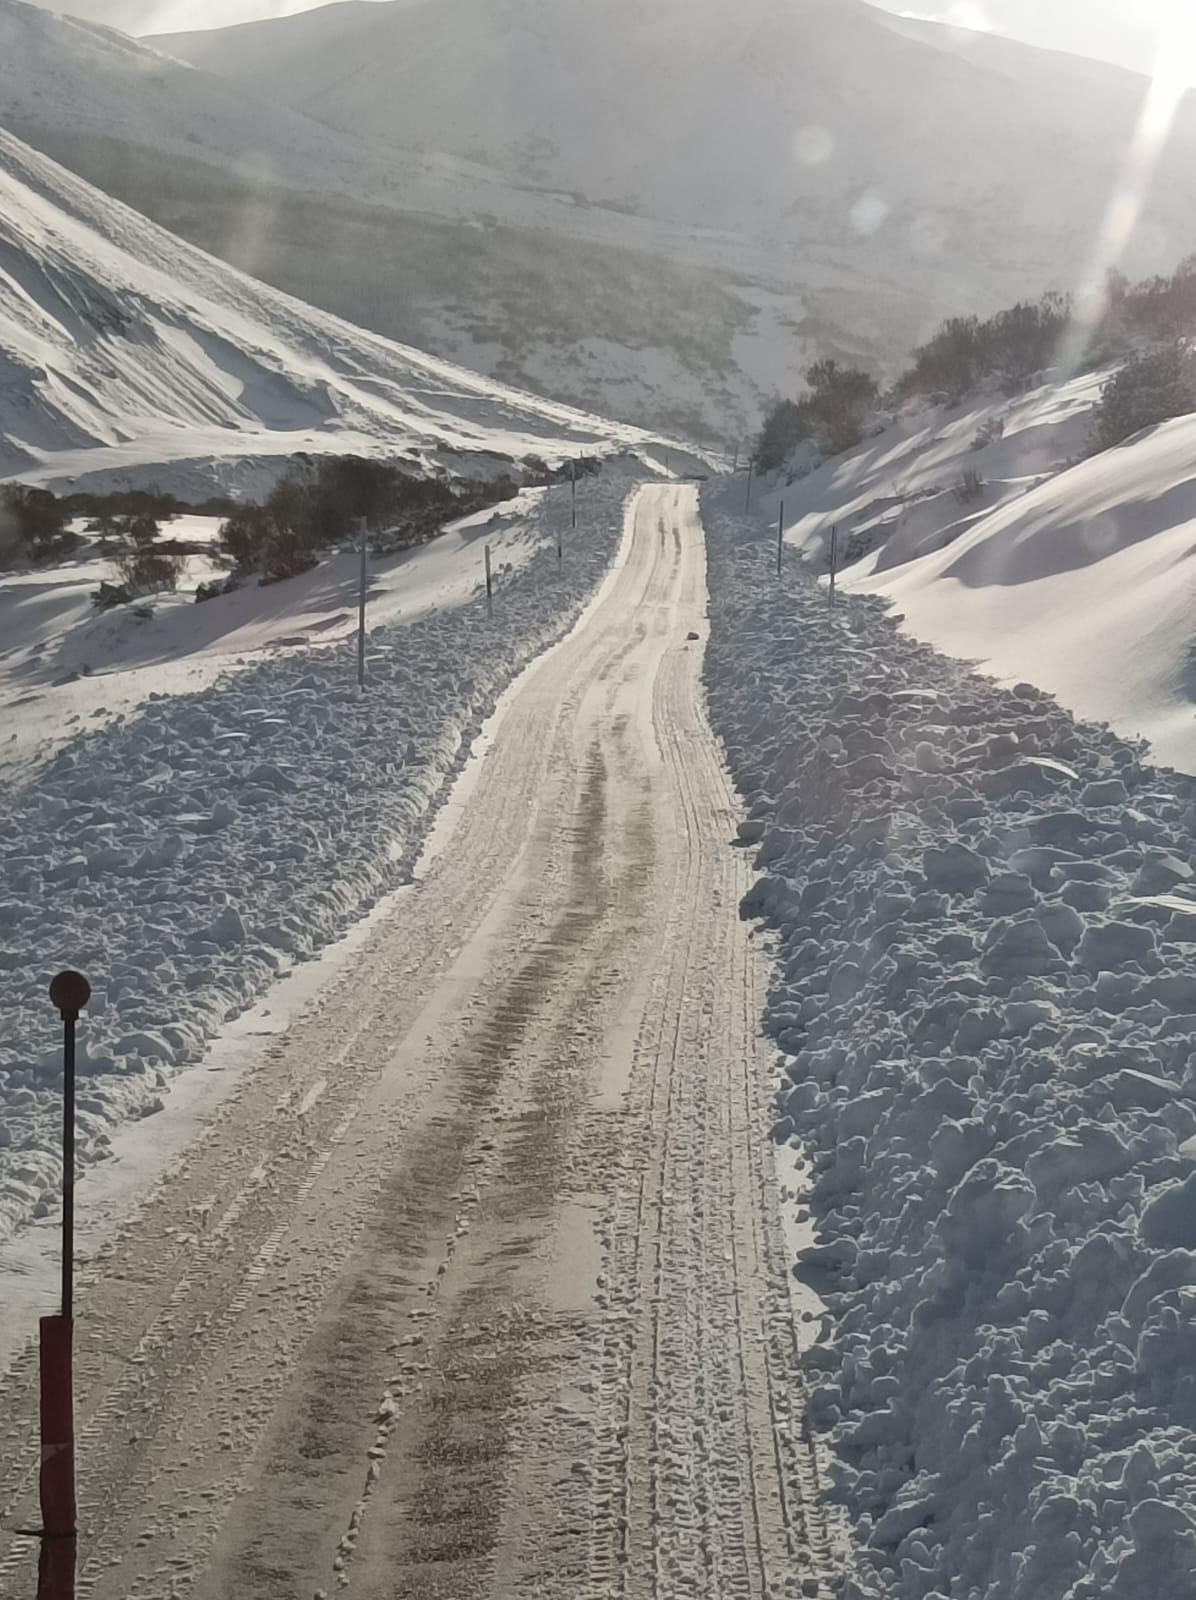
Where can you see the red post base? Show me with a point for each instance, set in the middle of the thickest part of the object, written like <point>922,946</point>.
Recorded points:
<point>56,1569</point>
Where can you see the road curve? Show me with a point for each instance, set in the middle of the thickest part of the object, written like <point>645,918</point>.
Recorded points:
<point>477,1286</point>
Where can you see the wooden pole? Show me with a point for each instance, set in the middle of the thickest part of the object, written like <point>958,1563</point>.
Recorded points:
<point>748,502</point>
<point>780,536</point>
<point>489,579</point>
<point>834,559</point>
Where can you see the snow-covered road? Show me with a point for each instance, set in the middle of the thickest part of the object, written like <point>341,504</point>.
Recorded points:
<point>476,1284</point>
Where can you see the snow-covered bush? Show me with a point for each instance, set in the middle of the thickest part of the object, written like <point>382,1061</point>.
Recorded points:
<point>988,433</point>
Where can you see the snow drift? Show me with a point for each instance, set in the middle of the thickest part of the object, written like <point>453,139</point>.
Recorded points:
<point>986,1013</point>
<point>1077,574</point>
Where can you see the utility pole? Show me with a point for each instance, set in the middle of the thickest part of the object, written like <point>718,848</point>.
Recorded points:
<point>748,502</point>
<point>361,612</point>
<point>489,579</point>
<point>573,494</point>
<point>780,536</point>
<point>834,559</point>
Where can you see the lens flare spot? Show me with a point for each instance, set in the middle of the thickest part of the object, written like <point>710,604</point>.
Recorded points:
<point>1100,536</point>
<point>814,145</point>
<point>869,213</point>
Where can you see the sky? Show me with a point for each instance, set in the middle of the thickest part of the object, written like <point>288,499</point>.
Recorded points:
<point>1124,31</point>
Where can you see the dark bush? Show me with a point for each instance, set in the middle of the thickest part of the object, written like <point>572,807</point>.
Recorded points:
<point>988,433</point>
<point>142,566</point>
<point>36,522</point>
<point>832,414</point>
<point>1159,308</point>
<point>1149,389</point>
<point>215,587</point>
<point>839,404</point>
<point>109,595</point>
<point>318,504</point>
<point>1011,347</point>
<point>150,502</point>
<point>785,426</point>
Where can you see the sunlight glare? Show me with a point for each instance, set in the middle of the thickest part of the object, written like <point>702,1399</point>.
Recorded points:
<point>1175,64</point>
<point>1174,75</point>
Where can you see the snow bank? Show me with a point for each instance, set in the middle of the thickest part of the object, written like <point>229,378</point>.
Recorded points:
<point>1076,577</point>
<point>986,1003</point>
<point>183,857</point>
<point>1086,585</point>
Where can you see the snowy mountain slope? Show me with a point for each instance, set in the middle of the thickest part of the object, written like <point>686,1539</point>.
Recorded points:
<point>1078,578</point>
<point>431,250</point>
<point>123,347</point>
<point>692,202</point>
<point>805,120</point>
<point>60,72</point>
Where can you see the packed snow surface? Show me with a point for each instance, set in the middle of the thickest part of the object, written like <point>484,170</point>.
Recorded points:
<point>986,1004</point>
<point>1074,572</point>
<point>184,855</point>
<point>124,349</point>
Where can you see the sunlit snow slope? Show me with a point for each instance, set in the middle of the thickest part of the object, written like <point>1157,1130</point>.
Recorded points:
<point>1074,573</point>
<point>122,347</point>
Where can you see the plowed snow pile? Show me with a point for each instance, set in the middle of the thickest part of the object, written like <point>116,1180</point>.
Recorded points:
<point>190,852</point>
<point>987,1012</point>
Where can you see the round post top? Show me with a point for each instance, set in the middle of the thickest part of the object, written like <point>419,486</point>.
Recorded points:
<point>70,992</point>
